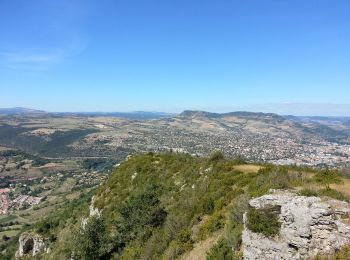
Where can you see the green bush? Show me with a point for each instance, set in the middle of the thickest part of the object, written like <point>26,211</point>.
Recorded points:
<point>333,194</point>
<point>264,221</point>
<point>139,215</point>
<point>222,251</point>
<point>234,227</point>
<point>92,241</point>
<point>327,177</point>
<point>215,223</point>
<point>216,156</point>
<point>324,192</point>
<point>308,193</point>
<point>208,205</point>
<point>184,240</point>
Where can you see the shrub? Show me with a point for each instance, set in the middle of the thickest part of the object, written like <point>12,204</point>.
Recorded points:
<point>265,220</point>
<point>139,215</point>
<point>180,245</point>
<point>221,250</point>
<point>216,156</point>
<point>215,223</point>
<point>333,194</point>
<point>308,193</point>
<point>235,224</point>
<point>184,240</point>
<point>239,207</point>
<point>208,205</point>
<point>327,177</point>
<point>92,241</point>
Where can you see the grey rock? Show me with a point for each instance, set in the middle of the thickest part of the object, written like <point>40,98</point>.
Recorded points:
<point>10,166</point>
<point>309,226</point>
<point>94,212</point>
<point>30,245</point>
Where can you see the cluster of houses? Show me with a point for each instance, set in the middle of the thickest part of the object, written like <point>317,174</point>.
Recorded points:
<point>8,204</point>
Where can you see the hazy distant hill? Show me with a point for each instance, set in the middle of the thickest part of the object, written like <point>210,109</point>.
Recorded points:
<point>321,119</point>
<point>19,111</point>
<point>139,115</point>
<point>240,114</point>
<point>255,136</point>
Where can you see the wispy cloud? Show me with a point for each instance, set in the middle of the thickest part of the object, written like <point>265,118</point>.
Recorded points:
<point>38,60</point>
<point>60,26</point>
<point>32,61</point>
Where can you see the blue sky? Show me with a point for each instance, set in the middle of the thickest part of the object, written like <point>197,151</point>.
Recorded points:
<point>170,55</point>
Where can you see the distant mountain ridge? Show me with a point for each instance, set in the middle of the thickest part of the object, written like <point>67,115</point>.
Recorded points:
<point>137,115</point>
<point>243,114</point>
<point>255,136</point>
<point>20,111</point>
<point>185,113</point>
<point>129,115</point>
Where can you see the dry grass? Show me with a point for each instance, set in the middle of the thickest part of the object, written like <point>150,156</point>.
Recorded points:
<point>344,188</point>
<point>245,168</point>
<point>66,186</point>
<point>196,228</point>
<point>72,196</point>
<point>200,249</point>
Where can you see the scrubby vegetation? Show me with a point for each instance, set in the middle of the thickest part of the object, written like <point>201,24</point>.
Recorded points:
<point>222,250</point>
<point>99,163</point>
<point>158,206</point>
<point>324,192</point>
<point>327,177</point>
<point>264,221</point>
<point>19,155</point>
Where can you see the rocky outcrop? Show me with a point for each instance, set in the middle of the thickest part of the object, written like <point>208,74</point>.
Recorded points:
<point>309,226</point>
<point>94,212</point>
<point>30,245</point>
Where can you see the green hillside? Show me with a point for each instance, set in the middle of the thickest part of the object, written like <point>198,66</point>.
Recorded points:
<point>169,206</point>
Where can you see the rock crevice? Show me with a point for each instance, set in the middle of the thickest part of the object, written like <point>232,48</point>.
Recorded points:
<point>30,245</point>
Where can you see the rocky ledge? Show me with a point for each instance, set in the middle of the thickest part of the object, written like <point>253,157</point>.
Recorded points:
<point>309,226</point>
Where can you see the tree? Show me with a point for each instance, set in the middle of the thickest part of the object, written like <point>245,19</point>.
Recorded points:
<point>93,240</point>
<point>328,177</point>
<point>139,214</point>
